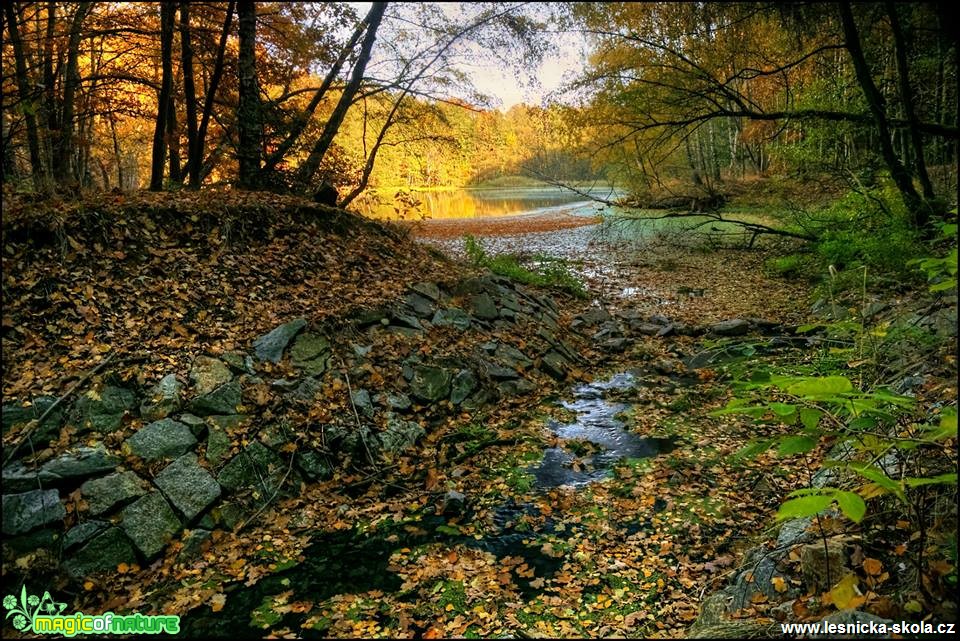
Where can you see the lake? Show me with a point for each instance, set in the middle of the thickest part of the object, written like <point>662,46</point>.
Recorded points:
<point>484,202</point>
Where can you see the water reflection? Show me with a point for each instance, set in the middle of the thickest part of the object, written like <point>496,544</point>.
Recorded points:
<point>482,202</point>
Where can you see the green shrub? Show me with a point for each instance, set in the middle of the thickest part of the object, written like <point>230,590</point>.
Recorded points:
<point>869,228</point>
<point>547,272</point>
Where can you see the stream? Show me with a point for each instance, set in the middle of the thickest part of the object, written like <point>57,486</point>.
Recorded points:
<point>352,562</point>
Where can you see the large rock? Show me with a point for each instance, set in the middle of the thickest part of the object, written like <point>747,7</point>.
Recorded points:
<point>393,400</point>
<point>103,411</point>
<point>314,465</point>
<point>310,353</point>
<point>421,306</point>
<point>732,327</point>
<point>104,552</point>
<point>165,438</point>
<point>270,346</point>
<point>821,566</point>
<point>513,357</point>
<point>188,487</point>
<point>83,532</point>
<point>31,510</point>
<point>207,374</point>
<point>515,387</point>
<point>256,466</point>
<point>400,435</point>
<point>80,463</point>
<point>483,307</point>
<point>554,364</point>
<point>223,400</point>
<point>14,414</point>
<point>162,400</point>
<point>218,446</point>
<point>452,317</point>
<point>104,494</point>
<point>462,385</point>
<point>430,383</point>
<point>427,290</point>
<point>362,401</point>
<point>150,523</point>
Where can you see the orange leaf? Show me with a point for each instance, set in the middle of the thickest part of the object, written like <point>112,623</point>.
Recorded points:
<point>217,601</point>
<point>873,567</point>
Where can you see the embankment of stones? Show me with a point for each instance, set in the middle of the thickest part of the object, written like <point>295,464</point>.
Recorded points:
<point>187,454</point>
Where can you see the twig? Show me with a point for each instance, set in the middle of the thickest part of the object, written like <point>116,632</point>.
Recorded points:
<point>356,415</point>
<point>34,424</point>
<point>280,485</point>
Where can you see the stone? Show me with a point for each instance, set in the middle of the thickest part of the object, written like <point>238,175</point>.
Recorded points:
<point>207,374</point>
<point>647,329</point>
<point>463,383</point>
<point>400,435</point>
<point>228,514</point>
<point>150,523</point>
<point>483,307</point>
<point>307,391</point>
<point>454,504</point>
<point>516,387</point>
<point>196,424</point>
<point>732,327</point>
<point>80,534</point>
<point>420,305</point>
<point>103,411</point>
<point>451,317</point>
<point>104,552</point>
<point>218,446</point>
<point>270,346</point>
<point>162,400</point>
<point>401,321</point>
<point>188,487</point>
<point>31,510</point>
<point>430,383</point>
<point>499,372</point>
<point>239,362</point>
<point>757,579</point>
<point>165,438</point>
<point>362,401</point>
<point>255,465</point>
<point>80,463</point>
<point>314,465</point>
<point>223,400</point>
<point>513,357</point>
<point>594,316</point>
<point>106,493</point>
<point>615,345</point>
<point>310,353</point>
<point>427,290</point>
<point>14,414</point>
<point>822,567</point>
<point>226,421</point>
<point>393,400</point>
<point>193,543</point>
<point>660,319</point>
<point>554,365</point>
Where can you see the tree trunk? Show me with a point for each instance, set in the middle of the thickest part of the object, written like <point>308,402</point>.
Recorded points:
<point>172,135</point>
<point>195,162</point>
<point>167,10</point>
<point>312,163</point>
<point>303,119</point>
<point>248,108</point>
<point>906,96</point>
<point>23,88</point>
<point>63,164</point>
<point>915,206</point>
<point>189,94</point>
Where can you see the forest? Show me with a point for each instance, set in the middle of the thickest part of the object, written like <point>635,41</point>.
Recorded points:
<point>446,320</point>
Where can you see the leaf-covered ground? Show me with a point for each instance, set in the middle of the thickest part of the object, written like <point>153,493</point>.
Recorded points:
<point>383,553</point>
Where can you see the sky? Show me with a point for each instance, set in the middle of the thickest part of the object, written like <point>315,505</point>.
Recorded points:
<point>502,83</point>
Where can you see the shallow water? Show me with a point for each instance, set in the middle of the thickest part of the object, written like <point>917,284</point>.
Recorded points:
<point>487,202</point>
<point>595,422</point>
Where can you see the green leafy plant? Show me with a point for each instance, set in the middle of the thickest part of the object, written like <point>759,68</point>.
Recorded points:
<point>547,271</point>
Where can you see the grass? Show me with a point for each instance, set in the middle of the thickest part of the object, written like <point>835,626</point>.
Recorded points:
<point>548,272</point>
